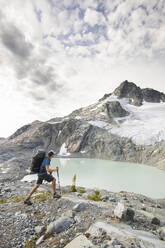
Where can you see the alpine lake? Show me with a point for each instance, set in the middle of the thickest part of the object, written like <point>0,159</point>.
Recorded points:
<point>110,175</point>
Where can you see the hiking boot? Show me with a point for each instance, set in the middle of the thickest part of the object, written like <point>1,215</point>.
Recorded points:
<point>28,202</point>
<point>55,195</point>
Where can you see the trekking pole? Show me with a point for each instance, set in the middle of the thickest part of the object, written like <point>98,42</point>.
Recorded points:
<point>59,181</point>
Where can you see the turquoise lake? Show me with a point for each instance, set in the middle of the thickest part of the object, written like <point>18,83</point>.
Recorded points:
<point>113,176</point>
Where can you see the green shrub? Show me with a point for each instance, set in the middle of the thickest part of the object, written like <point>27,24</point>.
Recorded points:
<point>3,200</point>
<point>97,192</point>
<point>81,190</point>
<point>73,186</point>
<point>95,196</point>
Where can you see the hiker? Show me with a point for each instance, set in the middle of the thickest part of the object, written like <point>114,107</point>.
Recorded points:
<point>43,175</point>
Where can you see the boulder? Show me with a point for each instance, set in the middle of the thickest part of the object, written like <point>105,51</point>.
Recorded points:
<point>60,225</point>
<point>162,233</point>
<point>124,213</point>
<point>79,242</point>
<point>69,213</point>
<point>40,240</point>
<point>40,229</point>
<point>80,207</point>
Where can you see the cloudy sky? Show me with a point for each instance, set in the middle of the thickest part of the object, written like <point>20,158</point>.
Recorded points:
<point>59,55</point>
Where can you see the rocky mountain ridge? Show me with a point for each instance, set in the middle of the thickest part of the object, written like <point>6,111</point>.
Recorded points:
<point>87,132</point>
<point>1,139</point>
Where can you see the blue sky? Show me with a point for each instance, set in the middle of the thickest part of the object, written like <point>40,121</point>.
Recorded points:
<point>59,55</point>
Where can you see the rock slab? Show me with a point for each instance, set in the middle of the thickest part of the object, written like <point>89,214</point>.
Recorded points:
<point>59,225</point>
<point>79,242</point>
<point>80,207</point>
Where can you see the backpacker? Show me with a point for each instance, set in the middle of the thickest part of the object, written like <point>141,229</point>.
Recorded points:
<point>37,161</point>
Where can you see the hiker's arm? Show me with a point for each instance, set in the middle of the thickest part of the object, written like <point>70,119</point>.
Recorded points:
<point>50,170</point>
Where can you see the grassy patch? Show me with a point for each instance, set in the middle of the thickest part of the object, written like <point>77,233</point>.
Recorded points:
<point>31,243</point>
<point>3,200</point>
<point>95,196</point>
<point>18,198</point>
<point>48,235</point>
<point>41,196</point>
<point>73,188</point>
<point>81,190</point>
<point>40,215</point>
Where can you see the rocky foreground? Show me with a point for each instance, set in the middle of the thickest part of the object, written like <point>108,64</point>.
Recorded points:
<point>85,218</point>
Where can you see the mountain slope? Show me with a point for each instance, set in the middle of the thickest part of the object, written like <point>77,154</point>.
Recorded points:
<point>121,126</point>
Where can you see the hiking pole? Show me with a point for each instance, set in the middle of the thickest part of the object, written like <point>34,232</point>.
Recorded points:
<point>59,181</point>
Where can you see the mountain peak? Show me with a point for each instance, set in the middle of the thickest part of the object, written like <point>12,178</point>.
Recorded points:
<point>129,90</point>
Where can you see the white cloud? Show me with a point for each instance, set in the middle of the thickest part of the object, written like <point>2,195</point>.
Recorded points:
<point>93,17</point>
<point>60,55</point>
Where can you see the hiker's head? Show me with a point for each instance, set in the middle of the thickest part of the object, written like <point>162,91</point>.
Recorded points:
<point>51,154</point>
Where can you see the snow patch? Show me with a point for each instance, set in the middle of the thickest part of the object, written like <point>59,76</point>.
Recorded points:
<point>93,109</point>
<point>78,117</point>
<point>63,151</point>
<point>145,125</point>
<point>97,123</point>
<point>5,170</point>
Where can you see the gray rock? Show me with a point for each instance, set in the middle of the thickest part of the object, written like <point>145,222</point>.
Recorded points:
<point>79,242</point>
<point>114,109</point>
<point>80,207</point>
<point>60,225</point>
<point>162,233</point>
<point>40,240</point>
<point>69,213</point>
<point>150,95</point>
<point>40,229</point>
<point>125,232</point>
<point>114,242</point>
<point>124,213</point>
<point>7,190</point>
<point>77,219</point>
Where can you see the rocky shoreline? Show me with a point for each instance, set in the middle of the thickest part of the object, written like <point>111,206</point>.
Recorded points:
<point>121,220</point>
